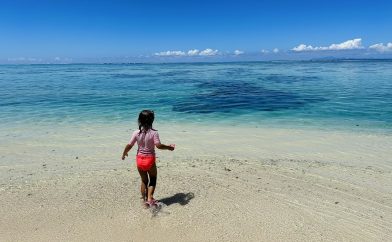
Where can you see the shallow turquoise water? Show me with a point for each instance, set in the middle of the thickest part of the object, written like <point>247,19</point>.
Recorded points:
<point>340,94</point>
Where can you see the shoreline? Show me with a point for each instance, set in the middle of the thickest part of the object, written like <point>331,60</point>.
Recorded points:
<point>341,126</point>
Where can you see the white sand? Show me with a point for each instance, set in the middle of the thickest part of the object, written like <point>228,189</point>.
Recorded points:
<point>221,184</point>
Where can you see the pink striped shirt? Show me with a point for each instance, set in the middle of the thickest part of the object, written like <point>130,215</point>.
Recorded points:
<point>146,141</point>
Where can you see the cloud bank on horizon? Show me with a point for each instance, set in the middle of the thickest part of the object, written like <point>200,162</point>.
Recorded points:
<point>353,44</point>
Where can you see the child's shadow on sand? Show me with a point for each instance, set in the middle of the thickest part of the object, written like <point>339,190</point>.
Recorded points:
<point>181,198</point>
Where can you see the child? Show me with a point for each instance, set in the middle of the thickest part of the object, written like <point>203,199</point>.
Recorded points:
<point>146,138</point>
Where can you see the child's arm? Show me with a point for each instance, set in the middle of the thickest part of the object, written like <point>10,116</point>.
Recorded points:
<point>165,147</point>
<point>127,148</point>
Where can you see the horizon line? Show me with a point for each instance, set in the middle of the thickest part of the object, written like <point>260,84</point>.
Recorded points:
<point>210,62</point>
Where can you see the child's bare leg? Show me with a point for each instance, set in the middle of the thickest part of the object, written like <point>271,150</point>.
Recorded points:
<point>152,173</point>
<point>143,186</point>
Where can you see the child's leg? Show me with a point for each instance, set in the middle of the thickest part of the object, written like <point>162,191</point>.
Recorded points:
<point>152,173</point>
<point>143,186</point>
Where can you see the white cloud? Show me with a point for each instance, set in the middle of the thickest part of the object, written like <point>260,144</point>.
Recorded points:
<point>276,50</point>
<point>171,53</point>
<point>193,52</point>
<point>238,52</point>
<point>381,47</point>
<point>208,52</point>
<point>264,51</point>
<point>303,47</point>
<point>347,45</point>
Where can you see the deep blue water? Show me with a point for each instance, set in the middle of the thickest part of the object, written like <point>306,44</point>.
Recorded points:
<point>339,94</point>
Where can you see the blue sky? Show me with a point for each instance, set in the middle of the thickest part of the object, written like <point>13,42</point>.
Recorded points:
<point>99,31</point>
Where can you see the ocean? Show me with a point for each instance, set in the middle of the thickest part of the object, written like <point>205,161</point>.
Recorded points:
<point>348,95</point>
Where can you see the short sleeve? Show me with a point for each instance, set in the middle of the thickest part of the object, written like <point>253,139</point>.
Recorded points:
<point>132,141</point>
<point>156,139</point>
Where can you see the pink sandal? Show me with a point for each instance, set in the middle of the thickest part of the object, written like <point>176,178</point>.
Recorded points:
<point>151,203</point>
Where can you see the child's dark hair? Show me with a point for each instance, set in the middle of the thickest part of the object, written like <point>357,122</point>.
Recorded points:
<point>145,120</point>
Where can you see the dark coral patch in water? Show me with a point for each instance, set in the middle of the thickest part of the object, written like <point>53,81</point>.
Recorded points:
<point>228,96</point>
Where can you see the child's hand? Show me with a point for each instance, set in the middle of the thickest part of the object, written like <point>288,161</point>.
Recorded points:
<point>172,147</point>
<point>123,157</point>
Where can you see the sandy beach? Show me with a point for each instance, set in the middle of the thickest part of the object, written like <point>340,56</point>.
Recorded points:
<point>67,183</point>
<point>280,114</point>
